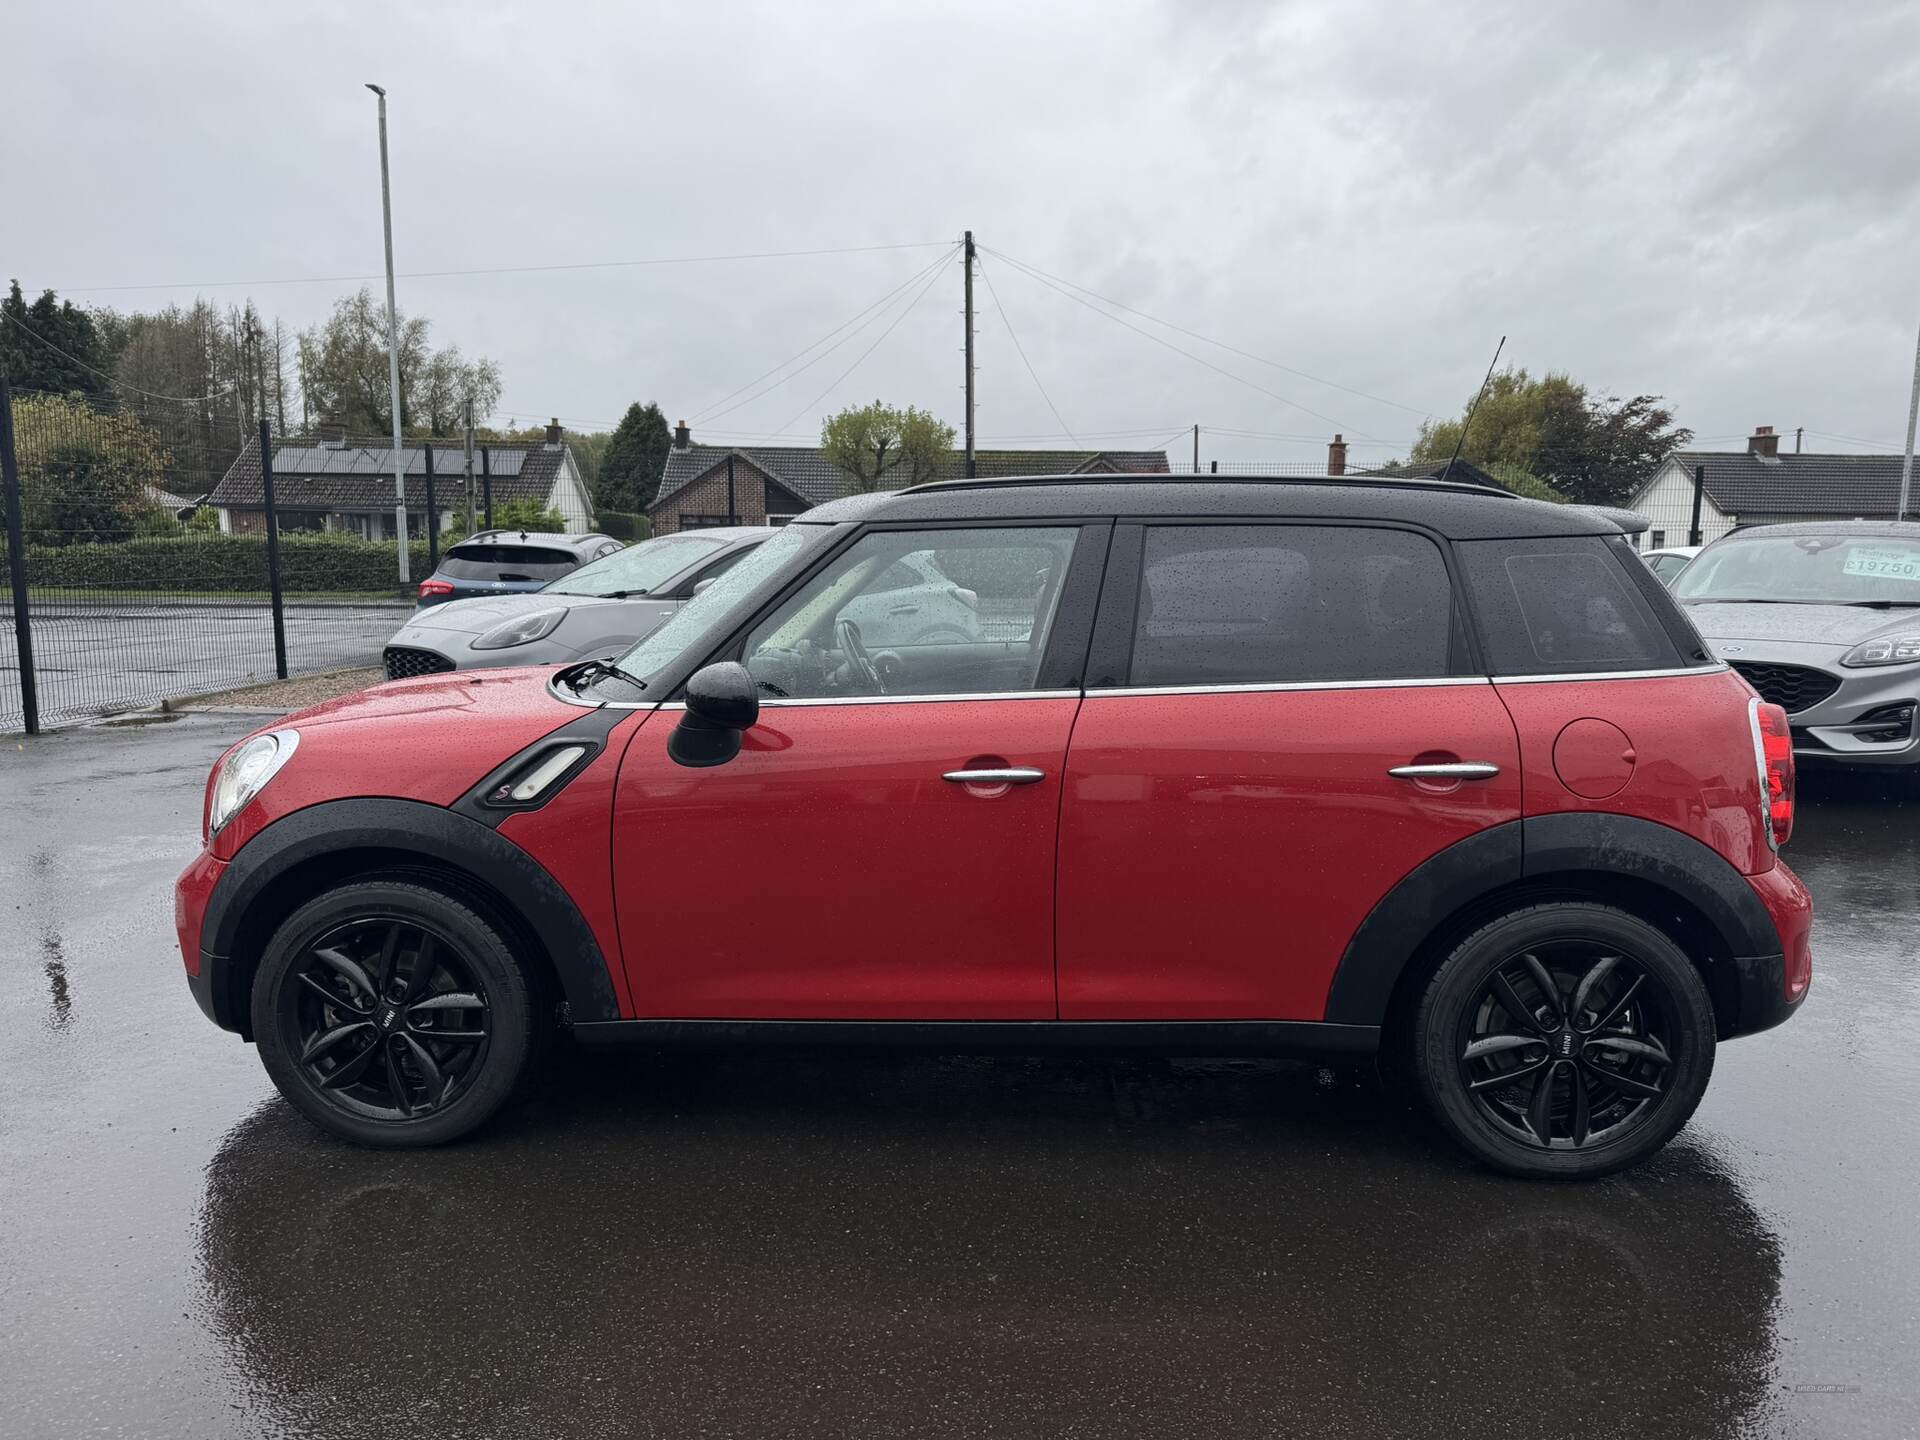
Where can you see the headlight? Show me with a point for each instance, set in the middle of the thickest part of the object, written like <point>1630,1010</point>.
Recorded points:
<point>1884,650</point>
<point>521,631</point>
<point>245,773</point>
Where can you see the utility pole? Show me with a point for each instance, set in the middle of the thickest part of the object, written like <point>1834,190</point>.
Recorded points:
<point>1196,449</point>
<point>469,490</point>
<point>1913,413</point>
<point>968,261</point>
<point>393,350</point>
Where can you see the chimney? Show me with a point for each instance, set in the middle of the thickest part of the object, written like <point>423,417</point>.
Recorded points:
<point>1337,456</point>
<point>332,434</point>
<point>682,437</point>
<point>1764,444</point>
<point>553,432</point>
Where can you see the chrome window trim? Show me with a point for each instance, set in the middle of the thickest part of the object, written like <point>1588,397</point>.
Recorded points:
<point>1718,669</point>
<point>814,701</point>
<point>1286,685</point>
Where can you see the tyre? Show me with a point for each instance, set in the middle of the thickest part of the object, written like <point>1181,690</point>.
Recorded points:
<point>1563,1042</point>
<point>391,1014</point>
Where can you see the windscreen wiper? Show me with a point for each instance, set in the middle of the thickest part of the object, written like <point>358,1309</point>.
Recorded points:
<point>620,594</point>
<point>587,671</point>
<point>1881,604</point>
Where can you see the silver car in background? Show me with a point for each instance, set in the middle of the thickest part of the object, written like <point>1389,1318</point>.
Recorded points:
<point>598,610</point>
<point>1823,619</point>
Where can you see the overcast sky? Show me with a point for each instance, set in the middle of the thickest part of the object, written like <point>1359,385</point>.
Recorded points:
<point>1715,202</point>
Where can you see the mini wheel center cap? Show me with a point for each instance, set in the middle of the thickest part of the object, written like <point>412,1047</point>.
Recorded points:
<point>1565,1044</point>
<point>389,1019</point>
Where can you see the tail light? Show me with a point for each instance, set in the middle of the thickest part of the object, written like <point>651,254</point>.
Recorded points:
<point>1773,750</point>
<point>968,598</point>
<point>429,588</point>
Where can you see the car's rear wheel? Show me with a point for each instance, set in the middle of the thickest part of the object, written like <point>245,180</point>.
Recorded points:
<point>391,1014</point>
<point>1563,1041</point>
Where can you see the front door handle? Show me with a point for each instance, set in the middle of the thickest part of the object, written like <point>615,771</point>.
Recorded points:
<point>1455,770</point>
<point>1017,775</point>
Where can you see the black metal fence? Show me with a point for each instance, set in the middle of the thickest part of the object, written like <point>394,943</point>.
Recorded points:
<point>122,586</point>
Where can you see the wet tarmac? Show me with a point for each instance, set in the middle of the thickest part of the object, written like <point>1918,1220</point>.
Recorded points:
<point>845,1246</point>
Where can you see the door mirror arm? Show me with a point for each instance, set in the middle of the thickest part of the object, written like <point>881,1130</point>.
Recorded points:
<point>722,704</point>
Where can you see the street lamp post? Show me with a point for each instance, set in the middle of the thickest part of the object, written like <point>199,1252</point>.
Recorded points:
<point>393,350</point>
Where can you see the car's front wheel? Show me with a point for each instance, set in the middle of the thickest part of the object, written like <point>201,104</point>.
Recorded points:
<point>1563,1041</point>
<point>391,1014</point>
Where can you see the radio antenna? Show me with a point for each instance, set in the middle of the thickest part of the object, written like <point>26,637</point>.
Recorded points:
<point>1468,423</point>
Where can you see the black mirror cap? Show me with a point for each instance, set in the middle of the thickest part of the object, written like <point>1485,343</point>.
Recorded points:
<point>722,702</point>
<point>724,694</point>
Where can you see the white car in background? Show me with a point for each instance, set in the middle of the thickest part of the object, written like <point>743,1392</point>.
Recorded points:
<point>1668,561</point>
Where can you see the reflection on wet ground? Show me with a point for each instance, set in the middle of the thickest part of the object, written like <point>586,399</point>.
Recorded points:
<point>879,1246</point>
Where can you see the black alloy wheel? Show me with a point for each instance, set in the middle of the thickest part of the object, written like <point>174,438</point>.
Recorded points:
<point>389,1017</point>
<point>1566,1044</point>
<point>392,1014</point>
<point>1563,1041</point>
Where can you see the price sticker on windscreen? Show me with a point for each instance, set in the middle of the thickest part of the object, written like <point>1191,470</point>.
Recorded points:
<point>1888,564</point>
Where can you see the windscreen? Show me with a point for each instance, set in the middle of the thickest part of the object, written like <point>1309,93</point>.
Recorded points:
<point>1857,569</point>
<point>639,569</point>
<point>505,562</point>
<point>715,602</point>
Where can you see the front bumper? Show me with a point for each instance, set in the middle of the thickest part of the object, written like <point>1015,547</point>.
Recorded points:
<point>1835,730</point>
<point>207,974</point>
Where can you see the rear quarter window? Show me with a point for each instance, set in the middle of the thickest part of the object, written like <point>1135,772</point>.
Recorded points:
<point>1569,605</point>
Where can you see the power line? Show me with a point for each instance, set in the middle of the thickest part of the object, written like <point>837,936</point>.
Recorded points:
<point>1020,350</point>
<point>20,324</point>
<point>507,269</point>
<point>911,305</point>
<point>713,412</point>
<point>1161,340</point>
<point>1232,349</point>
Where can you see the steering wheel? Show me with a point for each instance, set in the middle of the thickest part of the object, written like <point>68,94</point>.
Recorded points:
<point>858,661</point>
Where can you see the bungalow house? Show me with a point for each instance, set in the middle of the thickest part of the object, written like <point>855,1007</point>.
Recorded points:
<point>708,485</point>
<point>1759,485</point>
<point>344,485</point>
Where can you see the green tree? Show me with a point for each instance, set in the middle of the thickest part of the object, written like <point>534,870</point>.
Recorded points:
<point>528,515</point>
<point>86,474</point>
<point>877,446</point>
<point>635,459</point>
<point>51,345</point>
<point>343,373</point>
<point>1593,449</point>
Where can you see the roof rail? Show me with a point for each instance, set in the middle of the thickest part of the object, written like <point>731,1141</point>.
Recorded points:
<point>1375,482</point>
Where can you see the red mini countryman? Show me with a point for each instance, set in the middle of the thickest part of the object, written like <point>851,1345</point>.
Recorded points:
<point>1319,768</point>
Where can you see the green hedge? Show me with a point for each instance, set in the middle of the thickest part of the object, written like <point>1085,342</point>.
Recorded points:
<point>623,526</point>
<point>219,564</point>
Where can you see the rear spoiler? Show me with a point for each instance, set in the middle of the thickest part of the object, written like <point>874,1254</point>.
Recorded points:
<point>1630,522</point>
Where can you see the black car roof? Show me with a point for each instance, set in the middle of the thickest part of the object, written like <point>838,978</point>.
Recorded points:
<point>1460,512</point>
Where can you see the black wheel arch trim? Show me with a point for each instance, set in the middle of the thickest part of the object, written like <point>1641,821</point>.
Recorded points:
<point>1538,848</point>
<point>434,834</point>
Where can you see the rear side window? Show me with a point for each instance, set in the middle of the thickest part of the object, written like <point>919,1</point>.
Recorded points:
<point>506,562</point>
<point>1566,605</point>
<point>1277,604</point>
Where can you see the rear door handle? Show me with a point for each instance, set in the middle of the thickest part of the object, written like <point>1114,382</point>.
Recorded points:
<point>1455,770</point>
<point>1018,775</point>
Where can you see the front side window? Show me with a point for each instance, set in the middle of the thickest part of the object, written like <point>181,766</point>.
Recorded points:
<point>921,612</point>
<point>1280,604</point>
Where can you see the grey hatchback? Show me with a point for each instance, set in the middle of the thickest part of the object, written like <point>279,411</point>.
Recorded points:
<point>509,562</point>
<point>596,610</point>
<point>1820,618</point>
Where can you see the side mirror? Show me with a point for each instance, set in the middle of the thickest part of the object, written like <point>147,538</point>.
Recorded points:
<point>701,587</point>
<point>722,701</point>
